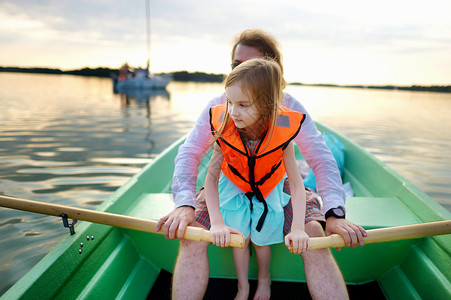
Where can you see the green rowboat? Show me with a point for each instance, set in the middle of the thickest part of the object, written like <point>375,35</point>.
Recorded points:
<point>128,264</point>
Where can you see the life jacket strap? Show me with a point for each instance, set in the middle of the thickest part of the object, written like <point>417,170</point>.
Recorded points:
<point>260,198</point>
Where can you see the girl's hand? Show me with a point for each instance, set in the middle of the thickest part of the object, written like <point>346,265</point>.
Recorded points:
<point>220,235</point>
<point>297,241</point>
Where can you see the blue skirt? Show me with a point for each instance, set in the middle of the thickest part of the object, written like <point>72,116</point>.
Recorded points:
<point>236,212</point>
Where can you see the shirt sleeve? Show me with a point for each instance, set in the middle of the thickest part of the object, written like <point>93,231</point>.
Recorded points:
<point>190,155</point>
<point>319,158</point>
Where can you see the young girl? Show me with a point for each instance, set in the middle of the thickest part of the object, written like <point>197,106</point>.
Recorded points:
<point>253,154</point>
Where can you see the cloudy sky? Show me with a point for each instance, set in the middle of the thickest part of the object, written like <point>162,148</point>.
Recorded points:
<point>342,42</point>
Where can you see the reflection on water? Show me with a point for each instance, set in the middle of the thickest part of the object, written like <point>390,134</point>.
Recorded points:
<point>144,95</point>
<point>70,140</point>
<point>142,98</point>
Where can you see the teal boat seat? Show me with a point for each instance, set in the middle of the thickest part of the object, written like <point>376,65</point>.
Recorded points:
<point>151,206</point>
<point>369,212</point>
<point>377,212</point>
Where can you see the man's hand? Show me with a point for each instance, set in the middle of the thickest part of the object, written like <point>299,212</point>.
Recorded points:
<point>352,233</point>
<point>176,221</point>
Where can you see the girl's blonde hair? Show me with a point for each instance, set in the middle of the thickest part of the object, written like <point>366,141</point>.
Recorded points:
<point>261,80</point>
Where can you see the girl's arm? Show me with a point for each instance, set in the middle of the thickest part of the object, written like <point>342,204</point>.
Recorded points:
<point>297,240</point>
<point>220,233</point>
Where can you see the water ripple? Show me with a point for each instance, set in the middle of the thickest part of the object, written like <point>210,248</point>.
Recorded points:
<point>11,221</point>
<point>29,233</point>
<point>81,170</point>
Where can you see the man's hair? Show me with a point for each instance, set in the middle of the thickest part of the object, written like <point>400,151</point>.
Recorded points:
<point>262,41</point>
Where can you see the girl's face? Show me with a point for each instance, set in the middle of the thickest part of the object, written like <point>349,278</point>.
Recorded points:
<point>243,112</point>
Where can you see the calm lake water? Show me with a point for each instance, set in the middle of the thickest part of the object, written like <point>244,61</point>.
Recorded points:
<point>70,140</point>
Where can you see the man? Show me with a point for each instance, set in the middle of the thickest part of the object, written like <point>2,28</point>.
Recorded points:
<point>191,272</point>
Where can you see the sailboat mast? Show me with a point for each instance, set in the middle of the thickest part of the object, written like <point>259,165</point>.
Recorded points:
<point>148,33</point>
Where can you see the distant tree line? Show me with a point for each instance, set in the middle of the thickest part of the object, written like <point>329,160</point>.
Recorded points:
<point>98,72</point>
<point>31,70</point>
<point>197,76</point>
<point>107,72</point>
<point>431,88</point>
<point>206,77</point>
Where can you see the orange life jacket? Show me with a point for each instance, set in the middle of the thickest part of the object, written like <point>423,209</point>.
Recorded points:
<point>256,173</point>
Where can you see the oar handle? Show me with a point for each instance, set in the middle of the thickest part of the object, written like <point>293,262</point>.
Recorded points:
<point>191,233</point>
<point>387,234</point>
<point>200,234</point>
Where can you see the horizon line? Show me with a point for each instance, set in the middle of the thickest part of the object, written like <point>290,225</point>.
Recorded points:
<point>288,83</point>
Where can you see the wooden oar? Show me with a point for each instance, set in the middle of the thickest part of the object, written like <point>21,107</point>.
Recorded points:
<point>199,234</point>
<point>191,233</point>
<point>387,234</point>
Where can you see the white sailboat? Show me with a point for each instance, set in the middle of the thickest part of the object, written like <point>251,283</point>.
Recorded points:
<point>138,78</point>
